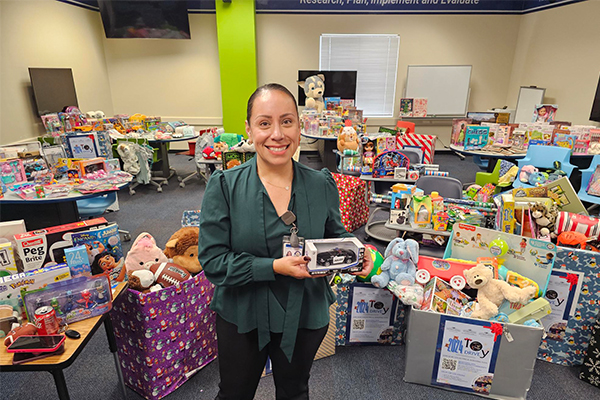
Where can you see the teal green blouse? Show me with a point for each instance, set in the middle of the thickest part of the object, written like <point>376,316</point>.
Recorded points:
<point>241,235</point>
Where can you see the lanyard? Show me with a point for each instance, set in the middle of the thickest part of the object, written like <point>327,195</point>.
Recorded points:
<point>289,218</point>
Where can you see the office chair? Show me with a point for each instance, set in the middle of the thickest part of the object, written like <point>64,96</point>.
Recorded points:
<point>204,167</point>
<point>543,157</point>
<point>413,156</point>
<point>586,175</point>
<point>444,185</point>
<point>96,206</point>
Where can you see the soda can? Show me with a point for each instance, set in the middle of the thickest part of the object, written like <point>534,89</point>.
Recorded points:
<point>45,320</point>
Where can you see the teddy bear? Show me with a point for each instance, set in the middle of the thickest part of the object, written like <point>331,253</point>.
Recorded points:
<point>492,292</point>
<point>347,141</point>
<point>314,88</point>
<point>182,247</point>
<point>544,218</point>
<point>400,264</point>
<point>143,252</point>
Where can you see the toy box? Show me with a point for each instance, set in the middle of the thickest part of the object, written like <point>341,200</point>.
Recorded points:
<point>8,266</point>
<point>470,355</point>
<point>78,261</point>
<point>12,171</point>
<point>440,297</point>
<point>334,255</point>
<point>73,299</point>
<point>164,337</point>
<point>37,248</point>
<point>476,137</point>
<point>10,286</point>
<point>92,168</point>
<point>505,219</point>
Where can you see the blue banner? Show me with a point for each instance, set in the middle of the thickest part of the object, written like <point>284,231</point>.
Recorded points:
<point>374,6</point>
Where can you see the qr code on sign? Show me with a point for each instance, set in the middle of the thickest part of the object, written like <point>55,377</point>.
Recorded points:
<point>358,324</point>
<point>449,364</point>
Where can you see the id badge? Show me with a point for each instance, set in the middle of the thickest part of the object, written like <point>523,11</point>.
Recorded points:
<point>290,250</point>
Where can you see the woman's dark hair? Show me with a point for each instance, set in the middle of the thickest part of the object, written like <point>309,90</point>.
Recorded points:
<point>266,88</point>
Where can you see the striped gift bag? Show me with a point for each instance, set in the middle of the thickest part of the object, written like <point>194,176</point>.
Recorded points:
<point>569,222</point>
<point>425,142</point>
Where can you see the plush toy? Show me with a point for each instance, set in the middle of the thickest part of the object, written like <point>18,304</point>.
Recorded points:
<point>143,280</point>
<point>243,147</point>
<point>129,158</point>
<point>182,247</point>
<point>144,252</point>
<point>209,153</point>
<point>537,178</point>
<point>26,329</point>
<point>492,292</point>
<point>526,171</point>
<point>314,87</point>
<point>347,141</point>
<point>219,148</point>
<point>230,138</point>
<point>400,264</point>
<point>544,218</point>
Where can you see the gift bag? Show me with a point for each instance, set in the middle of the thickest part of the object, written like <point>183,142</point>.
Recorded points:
<point>590,370</point>
<point>164,337</point>
<point>353,204</point>
<point>425,142</point>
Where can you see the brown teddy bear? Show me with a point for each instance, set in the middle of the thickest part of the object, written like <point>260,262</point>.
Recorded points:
<point>492,292</point>
<point>182,247</point>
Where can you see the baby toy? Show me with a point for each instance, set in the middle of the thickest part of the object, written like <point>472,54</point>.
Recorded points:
<point>314,87</point>
<point>144,251</point>
<point>400,265</point>
<point>526,172</point>
<point>182,248</point>
<point>492,292</point>
<point>347,141</point>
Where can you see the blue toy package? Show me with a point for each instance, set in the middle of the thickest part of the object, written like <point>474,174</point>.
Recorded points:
<point>103,247</point>
<point>78,261</point>
<point>73,300</point>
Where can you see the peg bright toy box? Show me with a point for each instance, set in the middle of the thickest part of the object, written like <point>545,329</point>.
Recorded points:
<point>334,255</point>
<point>467,355</point>
<point>36,249</point>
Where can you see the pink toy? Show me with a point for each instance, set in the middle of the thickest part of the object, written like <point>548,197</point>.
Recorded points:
<point>526,172</point>
<point>144,252</point>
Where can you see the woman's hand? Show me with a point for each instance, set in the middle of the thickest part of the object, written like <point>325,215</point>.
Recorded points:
<point>367,265</point>
<point>295,267</point>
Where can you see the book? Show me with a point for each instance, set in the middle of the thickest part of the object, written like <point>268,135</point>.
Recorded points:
<point>331,103</point>
<point>502,138</point>
<point>565,196</point>
<point>459,128</point>
<point>406,108</point>
<point>493,131</point>
<point>419,107</point>
<point>567,141</point>
<point>476,137</point>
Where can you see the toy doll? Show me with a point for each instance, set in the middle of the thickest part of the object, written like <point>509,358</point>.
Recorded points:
<point>106,262</point>
<point>368,153</point>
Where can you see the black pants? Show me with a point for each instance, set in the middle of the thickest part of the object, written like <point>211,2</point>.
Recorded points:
<point>241,363</point>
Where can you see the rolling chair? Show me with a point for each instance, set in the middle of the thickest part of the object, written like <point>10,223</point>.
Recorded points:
<point>96,206</point>
<point>543,157</point>
<point>444,185</point>
<point>204,167</point>
<point>586,175</point>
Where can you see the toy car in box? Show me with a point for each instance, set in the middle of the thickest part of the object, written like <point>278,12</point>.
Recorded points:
<point>334,255</point>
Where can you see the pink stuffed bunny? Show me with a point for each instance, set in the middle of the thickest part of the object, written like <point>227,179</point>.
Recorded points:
<point>144,250</point>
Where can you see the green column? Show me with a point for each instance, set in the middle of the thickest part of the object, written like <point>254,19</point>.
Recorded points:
<point>236,31</point>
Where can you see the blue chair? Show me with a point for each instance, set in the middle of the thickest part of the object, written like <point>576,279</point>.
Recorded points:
<point>96,206</point>
<point>586,175</point>
<point>543,157</point>
<point>481,162</point>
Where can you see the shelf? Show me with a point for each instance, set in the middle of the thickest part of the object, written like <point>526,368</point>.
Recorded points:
<point>370,178</point>
<point>408,228</point>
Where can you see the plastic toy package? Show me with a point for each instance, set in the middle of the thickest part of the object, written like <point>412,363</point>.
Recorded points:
<point>334,255</point>
<point>72,300</point>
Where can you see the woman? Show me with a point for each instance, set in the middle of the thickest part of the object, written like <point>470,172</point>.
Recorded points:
<point>267,304</point>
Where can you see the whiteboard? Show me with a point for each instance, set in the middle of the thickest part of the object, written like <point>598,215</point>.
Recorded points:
<point>446,87</point>
<point>529,96</point>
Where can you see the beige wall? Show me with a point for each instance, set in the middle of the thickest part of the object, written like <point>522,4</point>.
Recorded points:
<point>559,49</point>
<point>46,33</point>
<point>176,79</point>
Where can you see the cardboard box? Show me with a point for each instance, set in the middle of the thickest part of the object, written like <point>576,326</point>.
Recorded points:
<point>7,259</point>
<point>440,297</point>
<point>334,255</point>
<point>37,248</point>
<point>511,350</point>
<point>505,220</point>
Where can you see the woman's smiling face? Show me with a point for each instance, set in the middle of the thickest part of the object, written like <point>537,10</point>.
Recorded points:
<point>274,127</point>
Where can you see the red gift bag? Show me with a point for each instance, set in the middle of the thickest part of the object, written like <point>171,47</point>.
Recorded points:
<point>353,204</point>
<point>425,142</point>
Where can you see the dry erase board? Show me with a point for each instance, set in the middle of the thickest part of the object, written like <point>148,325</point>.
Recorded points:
<point>446,87</point>
<point>529,96</point>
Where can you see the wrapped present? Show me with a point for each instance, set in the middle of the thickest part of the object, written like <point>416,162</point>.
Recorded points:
<point>590,370</point>
<point>353,204</point>
<point>163,337</point>
<point>425,142</point>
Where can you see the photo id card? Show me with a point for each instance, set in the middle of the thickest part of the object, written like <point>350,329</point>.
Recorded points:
<point>289,250</point>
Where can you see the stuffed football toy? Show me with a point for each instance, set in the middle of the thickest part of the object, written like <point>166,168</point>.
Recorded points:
<point>314,87</point>
<point>182,248</point>
<point>144,252</point>
<point>168,274</point>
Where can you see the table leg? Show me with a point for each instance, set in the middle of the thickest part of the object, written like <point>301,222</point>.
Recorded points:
<point>61,384</point>
<point>163,154</point>
<point>112,344</point>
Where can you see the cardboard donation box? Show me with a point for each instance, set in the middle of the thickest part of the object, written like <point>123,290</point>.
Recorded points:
<point>353,204</point>
<point>469,355</point>
<point>164,337</point>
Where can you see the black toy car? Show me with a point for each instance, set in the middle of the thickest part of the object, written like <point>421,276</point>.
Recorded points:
<point>336,256</point>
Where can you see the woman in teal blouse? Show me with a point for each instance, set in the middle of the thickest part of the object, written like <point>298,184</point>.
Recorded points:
<point>268,304</point>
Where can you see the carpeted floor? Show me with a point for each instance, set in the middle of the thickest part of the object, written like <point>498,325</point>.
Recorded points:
<point>365,372</point>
